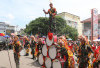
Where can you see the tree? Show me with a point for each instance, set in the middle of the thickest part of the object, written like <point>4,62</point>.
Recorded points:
<point>40,26</point>
<point>71,32</point>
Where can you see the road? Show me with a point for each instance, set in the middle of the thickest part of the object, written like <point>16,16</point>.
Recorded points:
<point>25,61</point>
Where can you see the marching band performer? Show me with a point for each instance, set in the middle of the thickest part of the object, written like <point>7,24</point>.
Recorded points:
<point>26,45</point>
<point>69,63</point>
<point>16,49</point>
<point>96,61</point>
<point>32,45</point>
<point>84,53</point>
<point>63,52</point>
<point>38,47</point>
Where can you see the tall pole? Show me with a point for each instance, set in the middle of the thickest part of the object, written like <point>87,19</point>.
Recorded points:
<point>88,35</point>
<point>92,25</point>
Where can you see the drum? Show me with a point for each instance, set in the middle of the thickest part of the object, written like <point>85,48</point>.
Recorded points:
<point>48,62</point>
<point>23,52</point>
<point>52,52</point>
<point>41,59</point>
<point>58,63</point>
<point>48,41</point>
<point>44,50</point>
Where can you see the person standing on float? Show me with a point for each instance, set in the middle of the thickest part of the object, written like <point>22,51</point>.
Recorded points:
<point>52,12</point>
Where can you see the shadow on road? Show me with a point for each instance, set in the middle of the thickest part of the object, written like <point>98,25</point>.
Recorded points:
<point>35,63</point>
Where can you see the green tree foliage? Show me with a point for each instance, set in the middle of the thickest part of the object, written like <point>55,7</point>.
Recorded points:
<point>40,26</point>
<point>71,32</point>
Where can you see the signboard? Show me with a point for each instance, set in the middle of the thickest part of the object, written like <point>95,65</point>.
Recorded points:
<point>95,22</point>
<point>8,32</point>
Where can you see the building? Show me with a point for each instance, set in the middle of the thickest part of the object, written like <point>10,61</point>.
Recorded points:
<point>87,27</point>
<point>72,20</point>
<point>21,32</point>
<point>6,28</point>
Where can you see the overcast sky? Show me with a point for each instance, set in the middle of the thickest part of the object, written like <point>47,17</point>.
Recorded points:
<point>21,12</point>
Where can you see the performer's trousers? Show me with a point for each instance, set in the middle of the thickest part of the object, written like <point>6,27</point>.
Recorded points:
<point>16,58</point>
<point>27,50</point>
<point>83,65</point>
<point>66,64</point>
<point>33,52</point>
<point>96,64</point>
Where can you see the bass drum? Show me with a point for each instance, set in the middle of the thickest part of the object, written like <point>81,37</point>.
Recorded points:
<point>58,63</point>
<point>48,41</point>
<point>23,52</point>
<point>48,62</point>
<point>52,52</point>
<point>44,50</point>
<point>41,59</point>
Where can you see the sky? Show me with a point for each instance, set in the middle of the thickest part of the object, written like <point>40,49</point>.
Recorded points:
<point>21,12</point>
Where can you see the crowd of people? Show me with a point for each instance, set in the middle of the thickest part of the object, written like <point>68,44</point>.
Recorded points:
<point>81,52</point>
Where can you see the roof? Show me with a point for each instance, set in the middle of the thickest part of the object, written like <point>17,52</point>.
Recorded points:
<point>68,13</point>
<point>89,20</point>
<point>6,24</point>
<point>2,22</point>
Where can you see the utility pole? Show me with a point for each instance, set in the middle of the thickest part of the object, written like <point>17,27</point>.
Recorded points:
<point>91,25</point>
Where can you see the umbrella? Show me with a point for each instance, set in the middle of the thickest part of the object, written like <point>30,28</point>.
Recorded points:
<point>96,40</point>
<point>6,36</point>
<point>12,34</point>
<point>2,34</point>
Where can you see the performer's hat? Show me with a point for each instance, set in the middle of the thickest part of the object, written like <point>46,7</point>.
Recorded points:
<point>50,35</point>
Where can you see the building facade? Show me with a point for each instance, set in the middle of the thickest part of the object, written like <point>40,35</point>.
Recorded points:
<point>72,20</point>
<point>6,28</point>
<point>87,27</point>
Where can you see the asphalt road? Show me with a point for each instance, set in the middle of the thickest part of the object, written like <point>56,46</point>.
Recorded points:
<point>25,61</point>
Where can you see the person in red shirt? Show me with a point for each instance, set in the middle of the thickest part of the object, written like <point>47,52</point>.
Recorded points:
<point>96,60</point>
<point>52,12</point>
